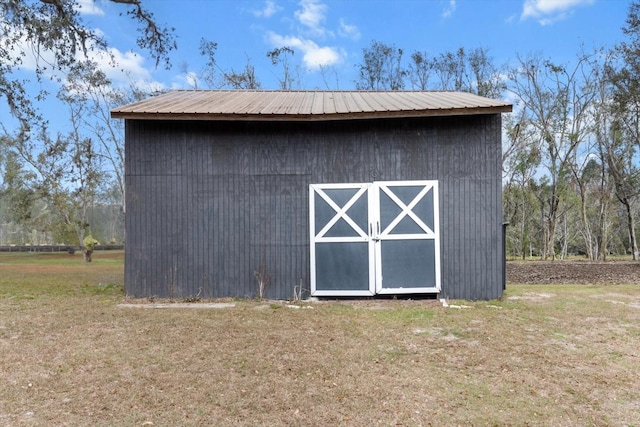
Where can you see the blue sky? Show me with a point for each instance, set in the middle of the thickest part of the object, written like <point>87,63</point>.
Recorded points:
<point>332,33</point>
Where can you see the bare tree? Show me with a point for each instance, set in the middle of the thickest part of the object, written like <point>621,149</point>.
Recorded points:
<point>216,77</point>
<point>468,71</point>
<point>619,152</point>
<point>324,74</point>
<point>487,78</point>
<point>381,68</point>
<point>450,69</point>
<point>209,73</point>
<point>66,176</point>
<point>420,70</point>
<point>555,100</point>
<point>520,159</point>
<point>622,148</point>
<point>281,56</point>
<point>245,79</point>
<point>90,95</point>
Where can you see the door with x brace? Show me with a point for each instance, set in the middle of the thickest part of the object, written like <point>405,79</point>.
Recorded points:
<point>374,238</point>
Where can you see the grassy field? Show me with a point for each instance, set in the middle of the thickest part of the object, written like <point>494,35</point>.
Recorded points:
<point>72,354</point>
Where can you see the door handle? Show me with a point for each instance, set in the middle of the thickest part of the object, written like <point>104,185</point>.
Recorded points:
<point>375,237</point>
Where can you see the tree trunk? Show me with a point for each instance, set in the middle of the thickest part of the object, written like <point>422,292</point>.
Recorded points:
<point>551,226</point>
<point>551,240</point>
<point>631,226</point>
<point>87,254</point>
<point>587,235</point>
<point>523,243</point>
<point>545,230</point>
<point>603,237</point>
<point>565,238</point>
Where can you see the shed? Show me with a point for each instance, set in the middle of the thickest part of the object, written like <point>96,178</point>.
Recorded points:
<point>335,193</point>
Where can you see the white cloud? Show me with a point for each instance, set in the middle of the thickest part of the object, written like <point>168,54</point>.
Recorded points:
<point>124,67</point>
<point>308,29</point>
<point>349,31</point>
<point>547,12</point>
<point>314,56</point>
<point>270,8</point>
<point>187,80</point>
<point>118,66</point>
<point>312,16</point>
<point>449,9</point>
<point>317,56</point>
<point>89,7</point>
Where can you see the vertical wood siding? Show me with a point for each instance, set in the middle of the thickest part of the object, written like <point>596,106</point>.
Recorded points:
<point>208,203</point>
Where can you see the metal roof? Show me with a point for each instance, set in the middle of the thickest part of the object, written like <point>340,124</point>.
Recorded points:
<point>306,105</point>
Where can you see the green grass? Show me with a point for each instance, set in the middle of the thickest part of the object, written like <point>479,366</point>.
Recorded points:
<point>59,258</point>
<point>56,275</point>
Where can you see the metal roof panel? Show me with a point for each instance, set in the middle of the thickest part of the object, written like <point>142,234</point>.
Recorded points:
<point>306,105</point>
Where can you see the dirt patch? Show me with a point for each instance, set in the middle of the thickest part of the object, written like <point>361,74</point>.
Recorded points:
<point>573,272</point>
<point>181,305</point>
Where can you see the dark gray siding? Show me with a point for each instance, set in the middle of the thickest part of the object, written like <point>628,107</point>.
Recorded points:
<point>209,202</point>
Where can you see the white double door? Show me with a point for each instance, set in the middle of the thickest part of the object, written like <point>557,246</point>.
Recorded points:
<point>374,238</point>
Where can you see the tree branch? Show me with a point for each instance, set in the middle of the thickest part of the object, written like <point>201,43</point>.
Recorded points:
<point>158,40</point>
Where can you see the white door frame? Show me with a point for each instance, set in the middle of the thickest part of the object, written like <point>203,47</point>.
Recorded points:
<point>318,236</point>
<point>426,232</point>
<point>374,237</point>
